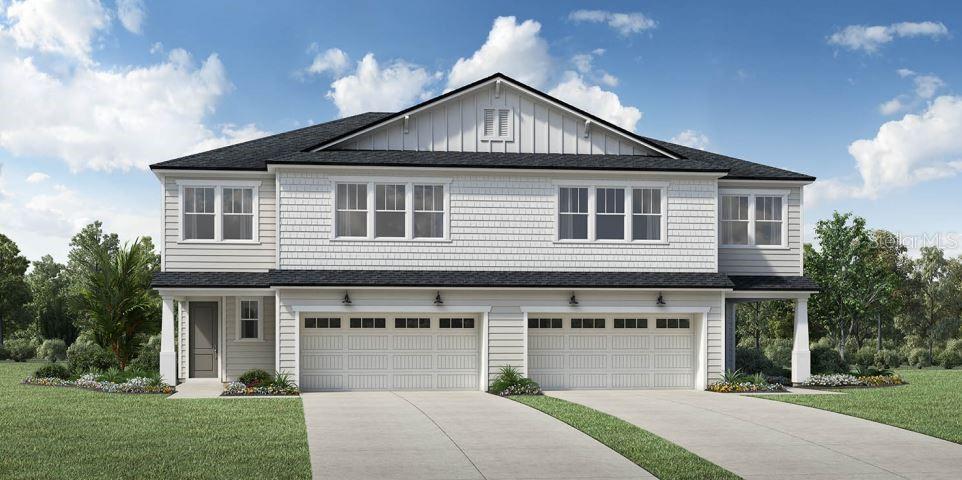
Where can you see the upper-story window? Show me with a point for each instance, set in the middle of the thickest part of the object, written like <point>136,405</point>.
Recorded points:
<point>497,124</point>
<point>601,213</point>
<point>215,211</point>
<point>752,218</point>
<point>390,211</point>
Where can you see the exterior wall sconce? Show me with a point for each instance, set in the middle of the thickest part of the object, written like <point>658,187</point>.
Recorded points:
<point>437,299</point>
<point>347,299</point>
<point>573,300</point>
<point>661,300</point>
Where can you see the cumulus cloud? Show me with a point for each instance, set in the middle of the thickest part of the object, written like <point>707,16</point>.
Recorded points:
<point>869,39</point>
<point>926,86</point>
<point>584,64</point>
<point>594,99</point>
<point>691,138</point>
<point>624,23</point>
<point>517,50</point>
<point>372,87</point>
<point>132,14</point>
<point>37,177</point>
<point>65,27</point>
<point>332,60</point>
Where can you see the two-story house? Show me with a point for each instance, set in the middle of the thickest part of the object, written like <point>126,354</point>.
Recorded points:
<point>492,225</point>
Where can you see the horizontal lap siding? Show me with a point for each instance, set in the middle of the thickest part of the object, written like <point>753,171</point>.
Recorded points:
<point>245,355</point>
<point>498,222</point>
<point>785,261</point>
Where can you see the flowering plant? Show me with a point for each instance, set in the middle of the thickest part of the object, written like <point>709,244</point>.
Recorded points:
<point>741,387</point>
<point>90,381</point>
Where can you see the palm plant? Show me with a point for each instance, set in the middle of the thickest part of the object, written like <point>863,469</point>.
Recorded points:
<point>116,299</point>
<point>734,376</point>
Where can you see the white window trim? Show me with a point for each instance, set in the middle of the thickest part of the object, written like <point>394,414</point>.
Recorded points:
<point>629,214</point>
<point>495,137</point>
<point>751,194</point>
<point>218,186</point>
<point>260,320</point>
<point>409,184</point>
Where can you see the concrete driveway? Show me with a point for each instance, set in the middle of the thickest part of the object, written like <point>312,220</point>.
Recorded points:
<point>449,435</point>
<point>757,438</point>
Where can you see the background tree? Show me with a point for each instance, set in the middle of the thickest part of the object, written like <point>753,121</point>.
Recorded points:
<point>933,312</point>
<point>48,284</point>
<point>14,293</point>
<point>892,266</point>
<point>83,248</point>
<point>764,320</point>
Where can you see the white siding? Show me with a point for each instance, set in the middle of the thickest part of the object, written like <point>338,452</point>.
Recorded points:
<point>453,126</point>
<point>765,260</point>
<point>182,329</point>
<point>243,355</point>
<point>498,222</point>
<point>219,256</point>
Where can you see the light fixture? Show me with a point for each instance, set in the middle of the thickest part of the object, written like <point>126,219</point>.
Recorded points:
<point>661,300</point>
<point>347,299</point>
<point>573,300</point>
<point>437,299</point>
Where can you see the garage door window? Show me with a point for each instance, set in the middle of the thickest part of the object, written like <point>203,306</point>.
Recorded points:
<point>367,323</point>
<point>456,323</point>
<point>587,323</point>
<point>544,323</point>
<point>673,323</point>
<point>631,323</point>
<point>412,323</point>
<point>313,322</point>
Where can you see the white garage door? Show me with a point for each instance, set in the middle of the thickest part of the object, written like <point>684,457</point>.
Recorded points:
<point>611,352</point>
<point>389,352</point>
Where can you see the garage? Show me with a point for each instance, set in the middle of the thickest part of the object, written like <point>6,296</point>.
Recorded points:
<point>402,351</point>
<point>611,351</point>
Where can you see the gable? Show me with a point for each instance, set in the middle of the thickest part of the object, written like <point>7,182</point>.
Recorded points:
<point>534,124</point>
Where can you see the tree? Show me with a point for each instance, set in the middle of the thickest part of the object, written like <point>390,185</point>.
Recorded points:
<point>763,319</point>
<point>115,297</point>
<point>83,247</point>
<point>48,284</point>
<point>14,293</point>
<point>933,312</point>
<point>892,265</point>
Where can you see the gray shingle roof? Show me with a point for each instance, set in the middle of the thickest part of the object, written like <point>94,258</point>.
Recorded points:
<point>738,169</point>
<point>774,283</point>
<point>211,280</point>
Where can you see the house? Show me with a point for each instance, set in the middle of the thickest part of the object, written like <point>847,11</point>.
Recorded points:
<point>492,225</point>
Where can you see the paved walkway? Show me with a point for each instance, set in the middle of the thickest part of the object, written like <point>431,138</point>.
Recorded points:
<point>757,438</point>
<point>449,435</point>
<point>198,388</point>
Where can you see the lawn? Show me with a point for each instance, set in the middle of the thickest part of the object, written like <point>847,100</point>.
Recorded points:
<point>662,458</point>
<point>52,432</point>
<point>931,403</point>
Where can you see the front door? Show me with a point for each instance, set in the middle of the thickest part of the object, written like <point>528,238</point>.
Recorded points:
<point>203,339</point>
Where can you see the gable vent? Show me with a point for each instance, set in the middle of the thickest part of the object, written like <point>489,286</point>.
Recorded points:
<point>503,122</point>
<point>488,122</point>
<point>497,125</point>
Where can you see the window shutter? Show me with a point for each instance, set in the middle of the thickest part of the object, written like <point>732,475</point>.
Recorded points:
<point>503,122</point>
<point>488,122</point>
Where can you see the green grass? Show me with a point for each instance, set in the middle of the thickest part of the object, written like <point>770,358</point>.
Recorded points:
<point>53,432</point>
<point>929,404</point>
<point>662,458</point>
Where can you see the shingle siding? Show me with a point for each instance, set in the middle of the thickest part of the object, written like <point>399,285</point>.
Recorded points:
<point>768,261</point>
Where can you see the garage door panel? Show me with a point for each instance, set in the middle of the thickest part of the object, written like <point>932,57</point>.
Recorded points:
<point>631,342</point>
<point>630,380</point>
<point>549,381</point>
<point>457,362</point>
<point>414,382</point>
<point>588,380</point>
<point>368,342</point>
<point>323,343</point>
<point>322,362</point>
<point>586,342</point>
<point>546,362</point>
<point>368,382</point>
<point>674,360</point>
<point>367,362</point>
<point>322,382</point>
<point>460,342</point>
<point>413,342</point>
<point>588,362</point>
<point>672,342</point>
<point>457,381</point>
<point>546,342</point>
<point>413,362</point>
<point>627,361</point>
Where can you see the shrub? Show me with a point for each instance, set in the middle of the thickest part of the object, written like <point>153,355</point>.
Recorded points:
<point>779,351</point>
<point>871,371</point>
<point>919,358</point>
<point>21,349</point>
<point>749,361</point>
<point>85,356</point>
<point>888,359</point>
<point>734,376</point>
<point>826,360</point>
<point>149,358</point>
<point>951,357</point>
<point>255,378</point>
<point>112,375</point>
<point>510,382</point>
<point>52,349</point>
<point>4,354</point>
<point>277,384</point>
<point>734,381</point>
<point>53,370</point>
<point>881,380</point>
<point>864,356</point>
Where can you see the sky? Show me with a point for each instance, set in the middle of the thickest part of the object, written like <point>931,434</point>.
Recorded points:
<point>864,95</point>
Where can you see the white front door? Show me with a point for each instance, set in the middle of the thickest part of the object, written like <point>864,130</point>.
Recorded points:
<point>611,351</point>
<point>404,351</point>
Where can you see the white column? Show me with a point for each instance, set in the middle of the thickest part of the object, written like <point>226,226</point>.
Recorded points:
<point>801,356</point>
<point>168,361</point>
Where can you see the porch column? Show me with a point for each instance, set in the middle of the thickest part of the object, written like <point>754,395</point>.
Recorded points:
<point>168,358</point>
<point>801,356</point>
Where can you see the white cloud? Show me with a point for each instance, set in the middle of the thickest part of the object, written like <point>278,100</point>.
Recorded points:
<point>891,107</point>
<point>584,64</point>
<point>332,60</point>
<point>926,86</point>
<point>870,38</point>
<point>132,14</point>
<point>691,138</point>
<point>37,177</point>
<point>624,23</point>
<point>64,27</point>
<point>157,48</point>
<point>904,72</point>
<point>372,88</point>
<point>516,50</point>
<point>593,99</point>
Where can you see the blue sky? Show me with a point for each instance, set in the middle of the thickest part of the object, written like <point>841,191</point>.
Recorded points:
<point>867,96</point>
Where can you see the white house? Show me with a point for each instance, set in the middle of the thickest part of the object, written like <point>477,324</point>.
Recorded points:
<point>493,225</point>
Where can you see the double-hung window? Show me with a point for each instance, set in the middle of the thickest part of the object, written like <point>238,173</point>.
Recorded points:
<point>351,211</point>
<point>573,213</point>
<point>734,219</point>
<point>748,218</point>
<point>238,213</point>
<point>768,220</point>
<point>610,214</point>
<point>428,211</point>
<point>646,214</point>
<point>249,319</point>
<point>391,210</point>
<point>604,213</point>
<point>218,211</point>
<point>199,215</point>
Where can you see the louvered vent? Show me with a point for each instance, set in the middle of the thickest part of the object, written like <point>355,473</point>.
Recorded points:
<point>488,122</point>
<point>503,122</point>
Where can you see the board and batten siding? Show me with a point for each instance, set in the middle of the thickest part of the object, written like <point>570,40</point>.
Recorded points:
<point>767,260</point>
<point>455,125</point>
<point>243,355</point>
<point>498,222</point>
<point>214,256</point>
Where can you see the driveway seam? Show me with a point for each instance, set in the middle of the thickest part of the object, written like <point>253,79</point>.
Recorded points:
<point>402,397</point>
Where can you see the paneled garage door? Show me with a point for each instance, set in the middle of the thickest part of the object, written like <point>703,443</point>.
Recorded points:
<point>389,352</point>
<point>611,352</point>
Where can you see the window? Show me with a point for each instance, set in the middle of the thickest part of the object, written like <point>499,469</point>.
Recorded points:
<point>610,214</point>
<point>573,213</point>
<point>312,322</point>
<point>367,323</point>
<point>456,323</point>
<point>587,323</point>
<point>199,215</point>
<point>389,211</point>
<point>544,323</point>
<point>412,323</point>
<point>646,214</point>
<point>752,219</point>
<point>631,323</point>
<point>249,319</point>
<point>238,213</point>
<point>351,211</point>
<point>497,124</point>
<point>428,211</point>
<point>673,323</point>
